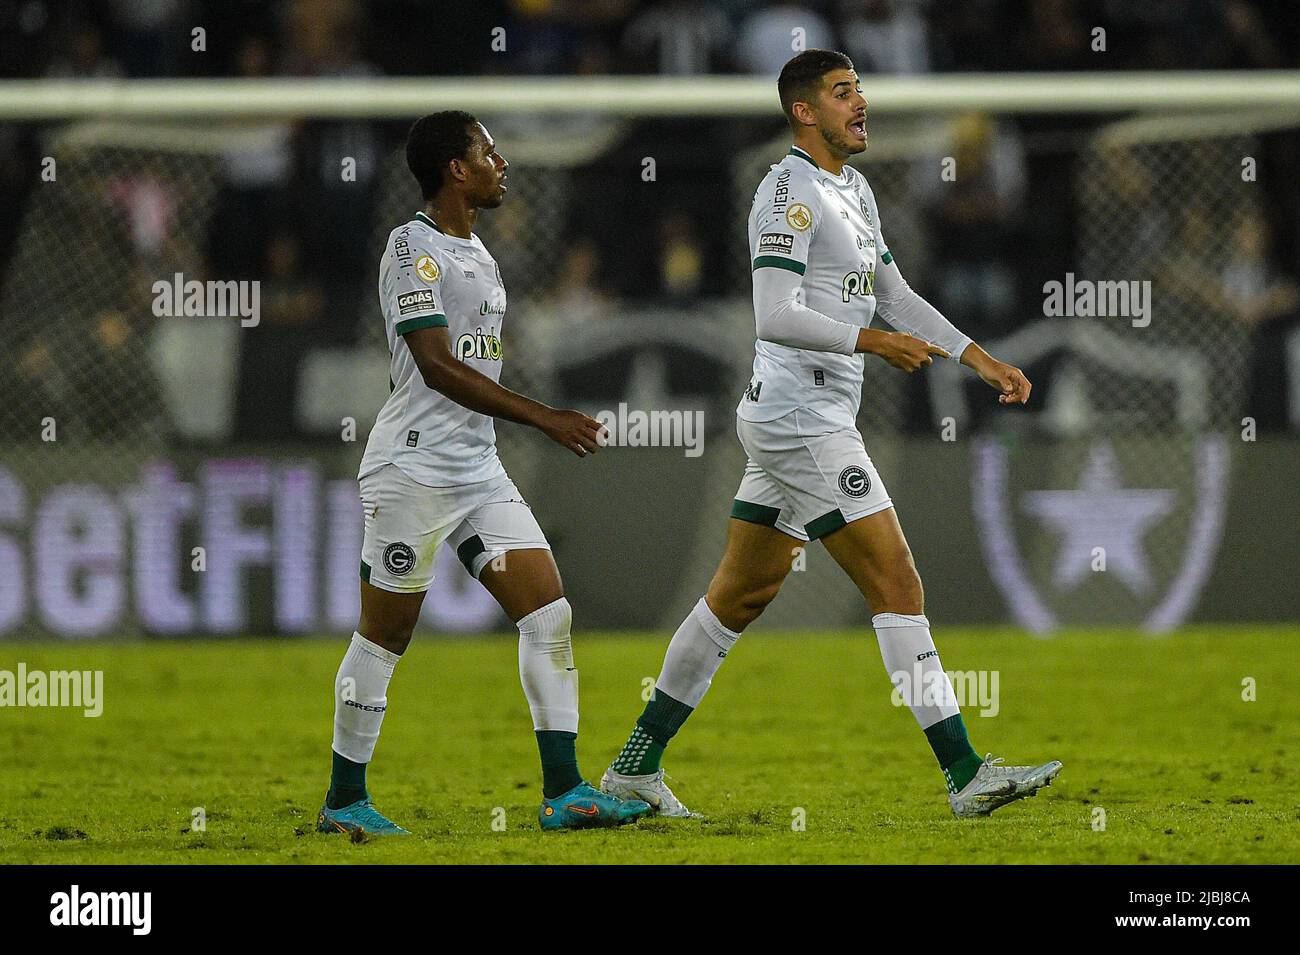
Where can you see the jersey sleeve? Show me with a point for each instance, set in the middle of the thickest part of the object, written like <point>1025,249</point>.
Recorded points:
<point>883,255</point>
<point>786,215</point>
<point>415,298</point>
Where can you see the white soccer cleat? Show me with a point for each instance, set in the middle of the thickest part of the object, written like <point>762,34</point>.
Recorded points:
<point>650,788</point>
<point>995,785</point>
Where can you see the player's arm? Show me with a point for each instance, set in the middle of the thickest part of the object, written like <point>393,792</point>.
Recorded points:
<point>445,373</point>
<point>784,320</point>
<point>903,308</point>
<point>780,257</point>
<point>899,305</point>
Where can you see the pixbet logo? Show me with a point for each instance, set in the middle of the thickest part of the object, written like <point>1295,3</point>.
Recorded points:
<point>478,345</point>
<point>862,283</point>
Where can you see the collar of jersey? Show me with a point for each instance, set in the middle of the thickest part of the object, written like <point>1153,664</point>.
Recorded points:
<point>796,151</point>
<point>454,238</point>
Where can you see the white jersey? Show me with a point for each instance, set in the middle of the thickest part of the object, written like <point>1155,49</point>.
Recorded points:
<point>429,279</point>
<point>827,229</point>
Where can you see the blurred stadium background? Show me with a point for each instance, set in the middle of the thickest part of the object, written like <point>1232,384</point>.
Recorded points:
<point>637,133</point>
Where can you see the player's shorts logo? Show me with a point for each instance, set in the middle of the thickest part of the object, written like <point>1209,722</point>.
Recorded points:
<point>854,481</point>
<point>426,268</point>
<point>399,559</point>
<point>799,217</point>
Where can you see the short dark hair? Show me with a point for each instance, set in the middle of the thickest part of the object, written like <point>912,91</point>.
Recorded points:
<point>433,142</point>
<point>802,76</point>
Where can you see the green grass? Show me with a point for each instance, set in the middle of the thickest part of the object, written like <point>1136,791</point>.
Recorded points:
<point>1152,730</point>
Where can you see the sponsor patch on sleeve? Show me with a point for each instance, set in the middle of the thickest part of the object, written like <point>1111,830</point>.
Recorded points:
<point>778,242</point>
<point>419,300</point>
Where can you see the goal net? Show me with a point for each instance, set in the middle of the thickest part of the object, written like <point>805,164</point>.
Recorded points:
<point>1152,222</point>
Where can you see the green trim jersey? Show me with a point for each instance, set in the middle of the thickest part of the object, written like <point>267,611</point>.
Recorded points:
<point>430,279</point>
<point>825,228</point>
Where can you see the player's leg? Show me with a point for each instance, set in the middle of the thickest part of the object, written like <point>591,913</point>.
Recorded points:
<point>403,529</point>
<point>757,559</point>
<point>361,687</point>
<point>526,583</point>
<point>502,545</point>
<point>874,553</point>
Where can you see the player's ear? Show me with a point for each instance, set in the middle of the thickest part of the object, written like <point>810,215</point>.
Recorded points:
<point>803,113</point>
<point>458,171</point>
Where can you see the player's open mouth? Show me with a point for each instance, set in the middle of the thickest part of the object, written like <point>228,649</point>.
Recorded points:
<point>859,129</point>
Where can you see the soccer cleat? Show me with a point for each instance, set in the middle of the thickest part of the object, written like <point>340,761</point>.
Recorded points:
<point>995,785</point>
<point>650,788</point>
<point>585,807</point>
<point>361,817</point>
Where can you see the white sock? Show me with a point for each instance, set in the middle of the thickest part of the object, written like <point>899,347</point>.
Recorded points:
<point>914,668</point>
<point>361,697</point>
<point>696,651</point>
<point>546,667</point>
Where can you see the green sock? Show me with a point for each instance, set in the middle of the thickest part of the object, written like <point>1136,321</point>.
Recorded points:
<point>659,722</point>
<point>559,762</point>
<point>347,782</point>
<point>953,751</point>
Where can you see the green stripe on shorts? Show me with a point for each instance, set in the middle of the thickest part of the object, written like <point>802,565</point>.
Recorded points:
<point>755,513</point>
<point>823,525</point>
<point>365,571</point>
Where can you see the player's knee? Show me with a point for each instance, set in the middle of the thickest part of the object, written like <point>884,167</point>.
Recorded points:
<point>737,604</point>
<point>393,639</point>
<point>756,597</point>
<point>900,592</point>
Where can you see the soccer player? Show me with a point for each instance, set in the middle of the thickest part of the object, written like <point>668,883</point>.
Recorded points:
<point>430,473</point>
<point>821,272</point>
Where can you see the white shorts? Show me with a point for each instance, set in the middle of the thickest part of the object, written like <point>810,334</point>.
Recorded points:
<point>405,522</point>
<point>806,476</point>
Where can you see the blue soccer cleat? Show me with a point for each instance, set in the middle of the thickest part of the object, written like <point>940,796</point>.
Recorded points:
<point>585,807</point>
<point>359,818</point>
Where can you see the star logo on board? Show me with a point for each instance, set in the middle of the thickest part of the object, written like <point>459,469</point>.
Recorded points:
<point>1100,512</point>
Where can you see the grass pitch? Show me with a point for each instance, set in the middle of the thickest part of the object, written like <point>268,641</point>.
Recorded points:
<point>1153,731</point>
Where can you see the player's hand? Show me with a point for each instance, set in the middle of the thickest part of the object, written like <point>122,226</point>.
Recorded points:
<point>902,350</point>
<point>574,430</point>
<point>1008,379</point>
